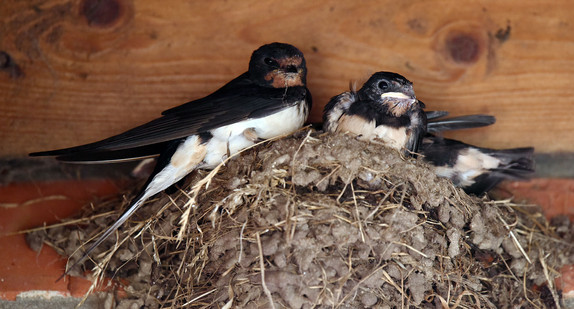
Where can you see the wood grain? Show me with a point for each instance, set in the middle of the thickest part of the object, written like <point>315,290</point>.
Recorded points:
<point>72,72</point>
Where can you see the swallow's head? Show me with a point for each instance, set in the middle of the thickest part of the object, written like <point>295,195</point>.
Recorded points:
<point>392,91</point>
<point>278,65</point>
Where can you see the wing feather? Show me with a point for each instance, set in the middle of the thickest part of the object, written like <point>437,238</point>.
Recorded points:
<point>240,99</point>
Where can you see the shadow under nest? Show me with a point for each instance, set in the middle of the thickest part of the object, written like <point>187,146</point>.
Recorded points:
<point>326,221</point>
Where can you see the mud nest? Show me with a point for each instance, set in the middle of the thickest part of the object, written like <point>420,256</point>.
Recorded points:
<point>315,220</point>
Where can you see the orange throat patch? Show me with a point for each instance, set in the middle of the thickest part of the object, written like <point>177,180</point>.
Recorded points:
<point>280,78</point>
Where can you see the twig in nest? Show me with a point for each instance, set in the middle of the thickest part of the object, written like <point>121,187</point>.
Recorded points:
<point>357,213</point>
<point>508,267</point>
<point>206,181</point>
<point>389,280</point>
<point>410,247</point>
<point>198,297</point>
<point>550,281</point>
<point>296,153</point>
<point>404,295</point>
<point>380,203</point>
<point>155,251</point>
<point>290,226</point>
<point>525,290</point>
<point>324,288</point>
<point>241,242</point>
<point>403,196</point>
<point>329,175</point>
<point>360,282</point>
<point>34,201</point>
<point>456,304</point>
<point>262,269</point>
<point>342,192</point>
<point>71,222</point>
<point>514,239</point>
<point>519,208</point>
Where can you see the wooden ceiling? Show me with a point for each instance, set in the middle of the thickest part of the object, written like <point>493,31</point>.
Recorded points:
<point>73,72</point>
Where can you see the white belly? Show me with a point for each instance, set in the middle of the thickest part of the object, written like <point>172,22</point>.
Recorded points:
<point>230,139</point>
<point>469,164</point>
<point>393,137</point>
<point>226,141</point>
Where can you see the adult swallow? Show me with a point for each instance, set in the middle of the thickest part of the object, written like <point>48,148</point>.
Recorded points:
<point>476,170</point>
<point>269,100</point>
<point>386,108</point>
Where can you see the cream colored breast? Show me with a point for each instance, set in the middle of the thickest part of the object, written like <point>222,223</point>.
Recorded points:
<point>392,137</point>
<point>231,139</point>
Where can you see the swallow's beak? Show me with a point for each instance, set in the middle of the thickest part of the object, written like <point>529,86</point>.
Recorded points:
<point>399,96</point>
<point>291,69</point>
<point>291,72</point>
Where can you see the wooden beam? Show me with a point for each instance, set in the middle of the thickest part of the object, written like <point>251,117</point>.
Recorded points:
<point>73,72</point>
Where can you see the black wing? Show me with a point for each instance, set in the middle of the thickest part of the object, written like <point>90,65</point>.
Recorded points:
<point>435,114</point>
<point>417,133</point>
<point>335,108</point>
<point>515,163</point>
<point>238,100</point>
<point>458,123</point>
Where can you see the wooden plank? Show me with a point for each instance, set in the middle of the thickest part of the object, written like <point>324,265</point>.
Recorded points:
<point>73,72</point>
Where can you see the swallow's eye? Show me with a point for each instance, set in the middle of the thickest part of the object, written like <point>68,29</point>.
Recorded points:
<point>384,85</point>
<point>271,62</point>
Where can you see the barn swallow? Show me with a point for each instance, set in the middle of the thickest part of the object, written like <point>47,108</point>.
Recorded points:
<point>476,170</point>
<point>269,100</point>
<point>386,108</point>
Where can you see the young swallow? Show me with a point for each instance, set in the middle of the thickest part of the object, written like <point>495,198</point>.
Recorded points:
<point>366,113</point>
<point>269,100</point>
<point>386,108</point>
<point>476,170</point>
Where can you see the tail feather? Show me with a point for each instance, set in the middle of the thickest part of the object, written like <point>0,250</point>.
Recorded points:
<point>484,183</point>
<point>458,161</point>
<point>105,156</point>
<point>121,220</point>
<point>516,163</point>
<point>149,189</point>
